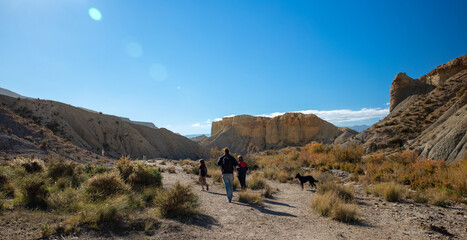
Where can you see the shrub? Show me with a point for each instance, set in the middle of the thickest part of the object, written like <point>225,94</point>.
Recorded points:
<point>32,166</point>
<point>66,201</point>
<point>438,198</point>
<point>216,176</point>
<point>267,192</point>
<point>250,197</point>
<point>345,212</point>
<point>34,191</point>
<point>256,182</point>
<point>345,193</point>
<point>143,176</point>
<point>392,192</point>
<point>6,188</point>
<point>65,169</point>
<point>176,202</point>
<point>171,169</point>
<point>124,167</point>
<point>104,185</point>
<point>148,196</point>
<point>93,169</point>
<point>329,204</point>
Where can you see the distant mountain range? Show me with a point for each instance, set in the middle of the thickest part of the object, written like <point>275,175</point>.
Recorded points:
<point>359,128</point>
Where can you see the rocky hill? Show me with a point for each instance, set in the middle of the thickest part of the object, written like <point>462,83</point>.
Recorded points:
<point>427,114</point>
<point>20,136</point>
<point>245,133</point>
<point>96,131</point>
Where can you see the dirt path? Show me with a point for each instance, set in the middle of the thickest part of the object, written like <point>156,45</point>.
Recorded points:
<point>288,216</point>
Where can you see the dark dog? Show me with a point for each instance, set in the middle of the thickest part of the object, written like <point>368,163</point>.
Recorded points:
<point>304,179</point>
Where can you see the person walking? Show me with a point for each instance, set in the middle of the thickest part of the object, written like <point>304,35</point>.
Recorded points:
<point>203,171</point>
<point>242,168</point>
<point>227,163</point>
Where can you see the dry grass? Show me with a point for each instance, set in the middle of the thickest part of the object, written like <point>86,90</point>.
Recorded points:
<point>216,176</point>
<point>333,200</point>
<point>256,182</point>
<point>171,169</point>
<point>105,185</point>
<point>176,202</point>
<point>250,197</point>
<point>391,192</point>
<point>344,192</point>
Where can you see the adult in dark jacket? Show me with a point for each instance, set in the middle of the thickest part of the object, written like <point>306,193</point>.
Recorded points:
<point>228,164</point>
<point>242,168</point>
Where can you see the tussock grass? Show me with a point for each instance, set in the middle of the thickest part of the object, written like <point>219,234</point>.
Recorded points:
<point>176,202</point>
<point>250,197</point>
<point>256,181</point>
<point>216,176</point>
<point>144,176</point>
<point>171,169</point>
<point>345,193</point>
<point>391,192</point>
<point>105,185</point>
<point>334,200</point>
<point>34,191</point>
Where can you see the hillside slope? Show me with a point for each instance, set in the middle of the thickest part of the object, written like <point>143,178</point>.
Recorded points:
<point>427,114</point>
<point>94,131</point>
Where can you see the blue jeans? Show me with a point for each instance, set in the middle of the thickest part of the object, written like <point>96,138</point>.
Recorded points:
<point>228,179</point>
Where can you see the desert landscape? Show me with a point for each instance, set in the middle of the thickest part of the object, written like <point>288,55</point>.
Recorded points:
<point>403,178</point>
<point>125,119</point>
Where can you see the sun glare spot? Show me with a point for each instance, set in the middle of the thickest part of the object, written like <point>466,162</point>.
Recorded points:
<point>158,72</point>
<point>95,14</point>
<point>134,49</point>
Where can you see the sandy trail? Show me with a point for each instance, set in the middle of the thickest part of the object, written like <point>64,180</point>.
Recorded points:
<point>288,216</point>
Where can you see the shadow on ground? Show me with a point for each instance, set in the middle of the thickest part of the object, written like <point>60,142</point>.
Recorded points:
<point>265,210</point>
<point>200,220</point>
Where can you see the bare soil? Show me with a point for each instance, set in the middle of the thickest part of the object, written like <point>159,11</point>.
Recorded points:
<point>287,216</point>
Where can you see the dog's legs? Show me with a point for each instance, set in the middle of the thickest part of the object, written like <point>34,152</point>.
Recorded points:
<point>302,185</point>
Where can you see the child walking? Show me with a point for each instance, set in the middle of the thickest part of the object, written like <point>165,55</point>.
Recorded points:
<point>242,168</point>
<point>203,171</point>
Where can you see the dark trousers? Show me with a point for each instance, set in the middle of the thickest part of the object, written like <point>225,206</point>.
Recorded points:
<point>241,179</point>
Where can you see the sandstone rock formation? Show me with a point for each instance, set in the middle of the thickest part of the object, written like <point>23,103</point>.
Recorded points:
<point>427,114</point>
<point>94,131</point>
<point>245,133</point>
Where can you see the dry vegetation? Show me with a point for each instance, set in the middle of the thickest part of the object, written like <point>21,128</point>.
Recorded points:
<point>393,177</point>
<point>88,196</point>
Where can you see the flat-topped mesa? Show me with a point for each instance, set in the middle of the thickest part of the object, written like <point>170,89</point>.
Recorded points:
<point>245,133</point>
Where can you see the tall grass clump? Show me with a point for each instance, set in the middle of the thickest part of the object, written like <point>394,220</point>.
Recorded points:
<point>35,192</point>
<point>345,193</point>
<point>250,197</point>
<point>104,185</point>
<point>65,173</point>
<point>390,191</point>
<point>125,167</point>
<point>256,182</point>
<point>144,176</point>
<point>179,201</point>
<point>334,201</point>
<point>6,188</point>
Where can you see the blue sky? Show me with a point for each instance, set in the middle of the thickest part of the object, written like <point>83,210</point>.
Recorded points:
<point>182,64</point>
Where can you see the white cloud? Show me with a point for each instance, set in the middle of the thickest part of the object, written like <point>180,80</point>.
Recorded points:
<point>206,124</point>
<point>337,116</point>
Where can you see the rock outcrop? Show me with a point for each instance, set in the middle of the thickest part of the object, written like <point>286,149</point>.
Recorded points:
<point>427,114</point>
<point>245,133</point>
<point>96,131</point>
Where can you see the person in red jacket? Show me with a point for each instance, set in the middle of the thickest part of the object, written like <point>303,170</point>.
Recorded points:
<point>242,168</point>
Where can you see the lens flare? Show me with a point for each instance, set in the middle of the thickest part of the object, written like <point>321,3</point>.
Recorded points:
<point>158,72</point>
<point>134,49</point>
<point>95,14</point>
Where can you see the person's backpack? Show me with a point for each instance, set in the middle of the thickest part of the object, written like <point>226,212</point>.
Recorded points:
<point>227,164</point>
